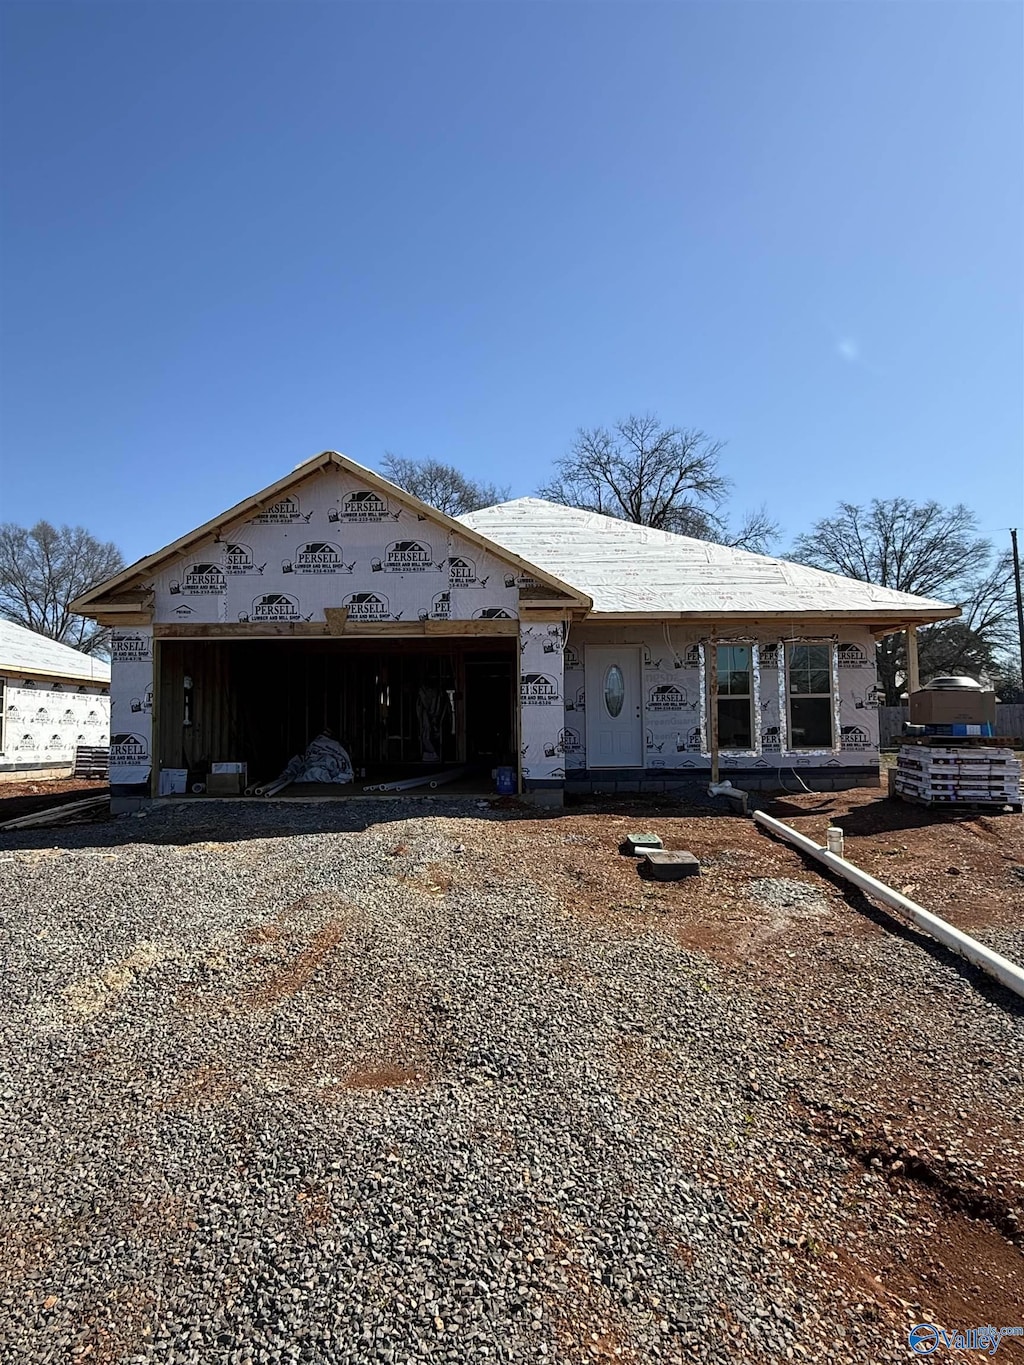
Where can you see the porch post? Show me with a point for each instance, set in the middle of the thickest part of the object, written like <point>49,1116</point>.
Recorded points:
<point>712,654</point>
<point>913,673</point>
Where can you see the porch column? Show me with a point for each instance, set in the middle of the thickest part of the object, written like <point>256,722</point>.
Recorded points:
<point>542,710</point>
<point>913,673</point>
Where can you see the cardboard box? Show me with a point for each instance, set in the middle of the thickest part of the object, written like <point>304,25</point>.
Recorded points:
<point>173,782</point>
<point>228,768</point>
<point>225,784</point>
<point>953,707</point>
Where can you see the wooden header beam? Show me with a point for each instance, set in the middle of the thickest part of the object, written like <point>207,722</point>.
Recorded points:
<point>318,630</point>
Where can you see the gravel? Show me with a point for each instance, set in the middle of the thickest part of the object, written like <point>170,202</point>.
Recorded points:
<point>342,1083</point>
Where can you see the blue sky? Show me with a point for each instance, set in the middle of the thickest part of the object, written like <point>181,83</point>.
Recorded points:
<point>237,234</point>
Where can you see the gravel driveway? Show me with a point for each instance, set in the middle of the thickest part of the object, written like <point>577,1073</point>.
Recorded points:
<point>358,1083</point>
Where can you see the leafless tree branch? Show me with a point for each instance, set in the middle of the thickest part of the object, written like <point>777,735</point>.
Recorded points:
<point>43,569</point>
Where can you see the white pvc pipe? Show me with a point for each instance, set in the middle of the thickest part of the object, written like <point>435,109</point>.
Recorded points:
<point>1004,971</point>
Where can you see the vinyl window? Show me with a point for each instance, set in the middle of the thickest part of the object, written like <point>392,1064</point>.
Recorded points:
<point>3,711</point>
<point>735,697</point>
<point>811,701</point>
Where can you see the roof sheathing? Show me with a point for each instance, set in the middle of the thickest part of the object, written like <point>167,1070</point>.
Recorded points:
<point>630,570</point>
<point>26,653</point>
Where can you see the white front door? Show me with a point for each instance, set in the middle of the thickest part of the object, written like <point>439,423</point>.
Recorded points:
<point>615,736</point>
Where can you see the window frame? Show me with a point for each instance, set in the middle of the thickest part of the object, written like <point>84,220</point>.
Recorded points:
<point>3,712</point>
<point>786,695</point>
<point>746,642</point>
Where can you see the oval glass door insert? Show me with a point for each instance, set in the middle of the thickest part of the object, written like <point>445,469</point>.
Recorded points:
<point>614,690</point>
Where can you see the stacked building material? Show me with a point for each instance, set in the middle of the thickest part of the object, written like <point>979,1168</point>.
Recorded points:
<point>968,775</point>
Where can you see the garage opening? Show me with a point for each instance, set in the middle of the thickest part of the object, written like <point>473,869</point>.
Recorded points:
<point>401,709</point>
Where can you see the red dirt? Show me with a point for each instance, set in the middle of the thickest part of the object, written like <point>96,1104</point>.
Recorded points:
<point>951,1265</point>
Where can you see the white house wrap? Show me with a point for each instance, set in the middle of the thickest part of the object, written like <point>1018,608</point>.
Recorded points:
<point>53,701</point>
<point>574,646</point>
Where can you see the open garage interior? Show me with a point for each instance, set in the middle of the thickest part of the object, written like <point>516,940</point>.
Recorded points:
<point>401,709</point>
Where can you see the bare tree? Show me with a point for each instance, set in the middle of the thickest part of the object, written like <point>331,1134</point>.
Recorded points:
<point>442,485</point>
<point>43,570</point>
<point>643,471</point>
<point>931,551</point>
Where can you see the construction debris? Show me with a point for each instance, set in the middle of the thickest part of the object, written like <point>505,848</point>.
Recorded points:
<point>53,814</point>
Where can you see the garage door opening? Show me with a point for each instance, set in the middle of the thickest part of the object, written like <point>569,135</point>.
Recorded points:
<point>401,709</point>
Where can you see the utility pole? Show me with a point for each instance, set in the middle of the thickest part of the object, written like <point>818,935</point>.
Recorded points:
<point>1020,604</point>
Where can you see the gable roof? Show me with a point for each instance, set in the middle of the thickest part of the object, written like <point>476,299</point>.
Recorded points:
<point>131,577</point>
<point>26,652</point>
<point>631,570</point>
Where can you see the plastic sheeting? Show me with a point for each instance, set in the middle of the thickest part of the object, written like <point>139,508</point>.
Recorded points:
<point>325,760</point>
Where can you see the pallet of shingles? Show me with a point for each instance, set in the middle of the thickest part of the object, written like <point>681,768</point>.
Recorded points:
<point>975,775</point>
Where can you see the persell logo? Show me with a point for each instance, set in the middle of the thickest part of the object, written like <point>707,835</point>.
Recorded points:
<point>127,649</point>
<point>493,614</point>
<point>854,737</point>
<point>276,606</point>
<point>284,510</point>
<point>851,655</point>
<point>667,697</point>
<point>238,559</point>
<point>403,556</point>
<point>537,689</point>
<point>128,749</point>
<point>368,606</point>
<point>462,572</point>
<point>363,504</point>
<point>204,579</point>
<point>320,556</point>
